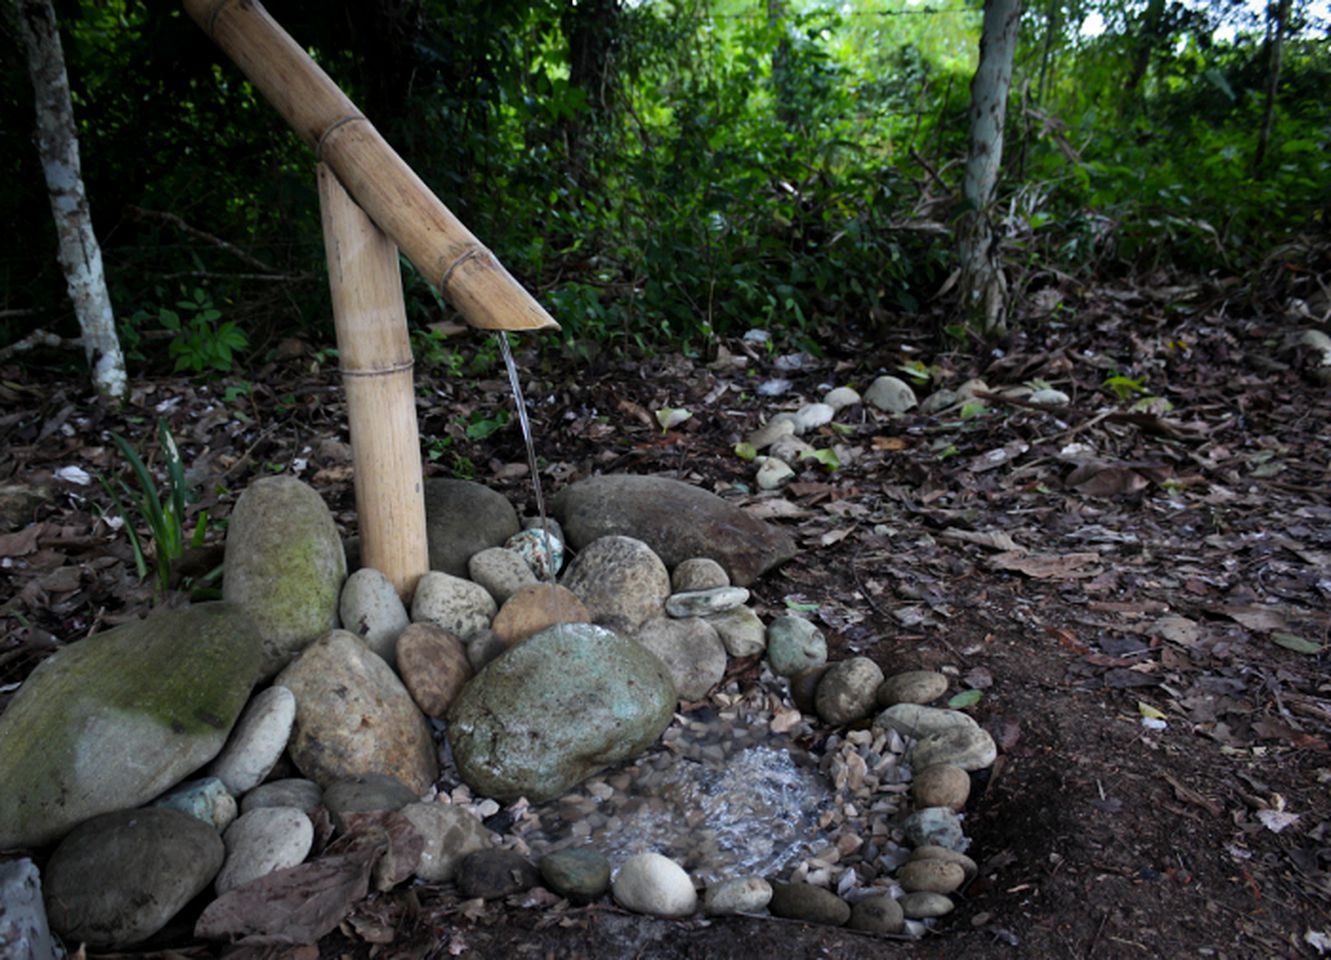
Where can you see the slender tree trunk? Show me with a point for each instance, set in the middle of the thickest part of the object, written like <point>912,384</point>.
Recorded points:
<point>1053,29</point>
<point>1280,11</point>
<point>79,254</point>
<point>776,21</point>
<point>1150,32</point>
<point>983,286</point>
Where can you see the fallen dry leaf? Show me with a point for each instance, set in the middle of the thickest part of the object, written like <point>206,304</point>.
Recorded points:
<point>1048,566</point>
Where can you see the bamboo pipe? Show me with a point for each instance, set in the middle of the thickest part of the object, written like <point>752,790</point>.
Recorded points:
<point>375,352</point>
<point>445,252</point>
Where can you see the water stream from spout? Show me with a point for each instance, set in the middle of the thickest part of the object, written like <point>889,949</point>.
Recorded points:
<point>525,423</point>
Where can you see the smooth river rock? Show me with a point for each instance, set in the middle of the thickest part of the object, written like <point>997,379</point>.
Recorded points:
<point>804,901</point>
<point>112,721</point>
<point>119,878</point>
<point>207,799</point>
<point>264,840</point>
<point>653,884</point>
<point>794,646</point>
<point>912,686</point>
<point>677,520</point>
<point>463,518</point>
<point>501,571</point>
<point>941,785</point>
<point>433,665</point>
<point>738,895</point>
<point>354,716</point>
<point>691,651</point>
<point>621,581</point>
<point>704,603</point>
<point>970,748</point>
<point>458,605</point>
<point>371,609</point>
<point>567,702</point>
<point>579,873</point>
<point>848,691</point>
<point>890,394</point>
<point>698,573</point>
<point>284,566</point>
<point>914,720</point>
<point>741,631</point>
<point>934,827</point>
<point>258,740</point>
<point>450,833</point>
<point>534,608</point>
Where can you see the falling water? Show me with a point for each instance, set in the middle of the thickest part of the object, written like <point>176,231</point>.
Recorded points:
<point>525,424</point>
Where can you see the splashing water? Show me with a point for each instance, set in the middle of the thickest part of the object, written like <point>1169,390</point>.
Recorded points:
<point>525,424</point>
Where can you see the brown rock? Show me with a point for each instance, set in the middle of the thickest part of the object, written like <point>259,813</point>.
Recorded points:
<point>534,608</point>
<point>433,665</point>
<point>931,876</point>
<point>913,686</point>
<point>942,785</point>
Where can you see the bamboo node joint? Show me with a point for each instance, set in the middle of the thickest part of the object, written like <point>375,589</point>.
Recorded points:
<point>213,14</point>
<point>471,254</point>
<point>339,122</point>
<point>398,367</point>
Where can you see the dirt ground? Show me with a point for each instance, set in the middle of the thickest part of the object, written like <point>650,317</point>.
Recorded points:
<point>1175,567</point>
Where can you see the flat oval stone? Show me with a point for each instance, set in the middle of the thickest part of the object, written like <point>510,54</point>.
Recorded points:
<point>117,879</point>
<point>500,571</point>
<point>690,650</point>
<point>781,425</point>
<point>264,840</point>
<point>930,852</point>
<point>913,720</point>
<point>371,609</point>
<point>932,876</point>
<point>578,873</point>
<point>741,631</point>
<point>490,874</point>
<point>913,686</point>
<point>621,581</point>
<point>703,603</point>
<point>449,833</point>
<point>698,573</point>
<point>804,901</point>
<point>433,665</point>
<point>970,748</point>
<point>652,884</point>
<point>794,645</point>
<point>738,895</point>
<point>922,906</point>
<point>934,826</point>
<point>848,691</point>
<point>459,606</point>
<point>257,742</point>
<point>304,795</point>
<point>880,914</point>
<point>941,785</point>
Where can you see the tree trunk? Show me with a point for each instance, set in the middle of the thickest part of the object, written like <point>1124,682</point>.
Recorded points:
<point>1280,11</point>
<point>983,286</point>
<point>58,146</point>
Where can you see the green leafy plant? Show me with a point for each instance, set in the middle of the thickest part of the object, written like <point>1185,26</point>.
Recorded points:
<point>1123,387</point>
<point>199,342</point>
<point>163,516</point>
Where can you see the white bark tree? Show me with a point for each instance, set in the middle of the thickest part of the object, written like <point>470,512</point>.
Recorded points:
<point>983,285</point>
<point>58,146</point>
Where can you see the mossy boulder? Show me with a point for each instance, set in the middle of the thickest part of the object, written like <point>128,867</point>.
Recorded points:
<point>112,721</point>
<point>284,565</point>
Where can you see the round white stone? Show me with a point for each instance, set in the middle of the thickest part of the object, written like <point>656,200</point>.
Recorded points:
<point>653,884</point>
<point>773,473</point>
<point>257,741</point>
<point>841,397</point>
<point>740,895</point>
<point>891,395</point>
<point>261,841</point>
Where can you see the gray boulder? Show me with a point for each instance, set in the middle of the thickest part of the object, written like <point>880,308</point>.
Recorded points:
<point>565,703</point>
<point>284,566</point>
<point>463,518</point>
<point>677,520</point>
<point>119,878</point>
<point>112,721</point>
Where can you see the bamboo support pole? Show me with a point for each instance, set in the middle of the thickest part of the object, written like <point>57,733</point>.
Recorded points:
<point>442,248</point>
<point>375,351</point>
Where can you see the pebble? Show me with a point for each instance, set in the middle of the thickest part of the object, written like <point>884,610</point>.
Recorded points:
<point>772,473</point>
<point>578,873</point>
<point>371,793</point>
<point>206,800</point>
<point>118,878</point>
<point>703,603</point>
<point>691,650</point>
<point>923,905</point>
<point>433,665</point>
<point>804,901</point>
<point>913,686</point>
<point>848,691</point>
<point>934,826</point>
<point>930,852</point>
<point>941,785</point>
<point>656,885</point>
<point>502,572</point>
<point>450,832</point>
<point>459,606</point>
<point>781,425</point>
<point>698,573</point>
<point>257,741</point>
<point>25,933</point>
<point>970,748</point>
<point>880,914</point>
<point>304,795</point>
<point>931,876</point>
<point>794,645</point>
<point>737,895</point>
<point>914,720</point>
<point>741,631</point>
<point>1050,396</point>
<point>840,398</point>
<point>261,841</point>
<point>490,874</point>
<point>371,609</point>
<point>774,387</point>
<point>482,647</point>
<point>890,394</point>
<point>542,551</point>
<point>938,401</point>
<point>811,416</point>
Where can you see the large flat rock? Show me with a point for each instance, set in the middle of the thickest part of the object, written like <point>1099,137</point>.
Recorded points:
<point>675,519</point>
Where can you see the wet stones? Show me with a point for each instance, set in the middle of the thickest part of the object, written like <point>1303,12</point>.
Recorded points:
<point>737,895</point>
<point>622,582</point>
<point>490,874</point>
<point>533,609</point>
<point>459,606</point>
<point>656,885</point>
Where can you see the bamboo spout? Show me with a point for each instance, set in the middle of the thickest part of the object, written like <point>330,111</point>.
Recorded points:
<point>469,276</point>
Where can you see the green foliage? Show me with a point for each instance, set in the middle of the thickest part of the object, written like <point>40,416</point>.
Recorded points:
<point>163,516</point>
<point>198,342</point>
